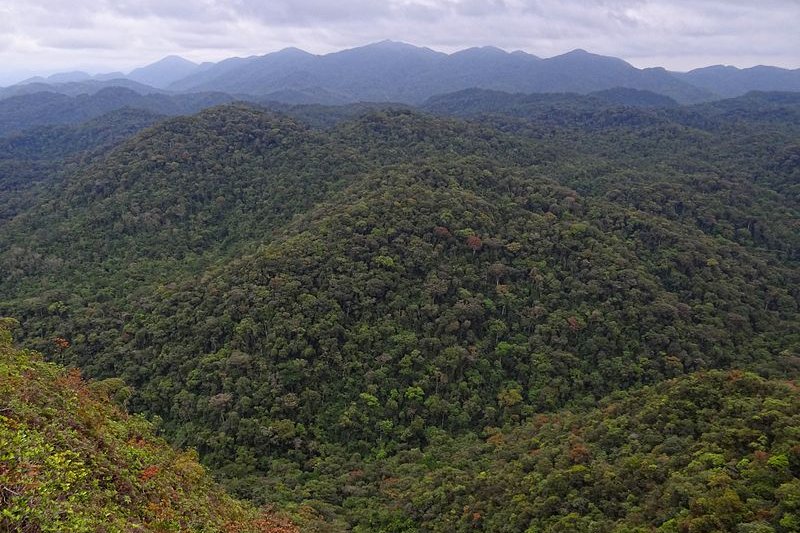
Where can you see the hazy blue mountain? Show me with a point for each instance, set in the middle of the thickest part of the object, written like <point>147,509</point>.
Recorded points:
<point>144,80</point>
<point>254,75</point>
<point>76,88</point>
<point>164,72</point>
<point>61,77</point>
<point>392,71</point>
<point>22,112</point>
<point>385,71</point>
<point>582,72</point>
<point>731,81</point>
<point>397,72</point>
<point>109,76</point>
<point>72,77</point>
<point>213,75</point>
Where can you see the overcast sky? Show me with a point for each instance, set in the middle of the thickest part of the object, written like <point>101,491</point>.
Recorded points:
<point>45,36</point>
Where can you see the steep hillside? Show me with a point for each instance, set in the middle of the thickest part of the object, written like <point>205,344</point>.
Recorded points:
<point>71,461</point>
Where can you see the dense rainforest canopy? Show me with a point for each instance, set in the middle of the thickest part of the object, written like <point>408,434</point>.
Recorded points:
<point>497,312</point>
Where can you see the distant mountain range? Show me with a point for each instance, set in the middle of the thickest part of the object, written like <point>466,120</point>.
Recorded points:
<point>398,72</point>
<point>157,75</point>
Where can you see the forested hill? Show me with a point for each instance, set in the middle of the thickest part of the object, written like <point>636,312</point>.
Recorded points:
<point>72,461</point>
<point>45,108</point>
<point>325,313</point>
<point>33,160</point>
<point>712,451</point>
<point>620,108</point>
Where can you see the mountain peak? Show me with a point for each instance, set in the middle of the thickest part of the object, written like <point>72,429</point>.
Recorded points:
<point>391,43</point>
<point>175,57</point>
<point>581,56</point>
<point>716,68</point>
<point>578,52</point>
<point>523,53</point>
<point>170,60</point>
<point>164,71</point>
<point>388,44</point>
<point>482,51</point>
<point>383,51</point>
<point>293,51</point>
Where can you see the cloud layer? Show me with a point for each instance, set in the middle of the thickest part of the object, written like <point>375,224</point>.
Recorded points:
<point>57,35</point>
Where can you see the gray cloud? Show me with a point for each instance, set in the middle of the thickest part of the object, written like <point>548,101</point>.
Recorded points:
<point>50,35</point>
<point>310,12</point>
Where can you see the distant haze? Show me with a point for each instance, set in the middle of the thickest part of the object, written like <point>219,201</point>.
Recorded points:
<point>46,36</point>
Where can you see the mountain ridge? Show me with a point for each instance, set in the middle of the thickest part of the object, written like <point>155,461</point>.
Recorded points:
<point>405,73</point>
<point>391,71</point>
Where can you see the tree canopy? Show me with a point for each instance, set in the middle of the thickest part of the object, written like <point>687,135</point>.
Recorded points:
<point>570,297</point>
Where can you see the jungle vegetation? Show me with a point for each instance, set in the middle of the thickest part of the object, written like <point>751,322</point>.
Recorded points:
<point>496,312</point>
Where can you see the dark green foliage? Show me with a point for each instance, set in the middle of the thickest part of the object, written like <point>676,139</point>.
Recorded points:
<point>728,167</point>
<point>34,160</point>
<point>58,142</point>
<point>216,190</point>
<point>634,97</point>
<point>706,452</point>
<point>544,111</point>
<point>320,310</point>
